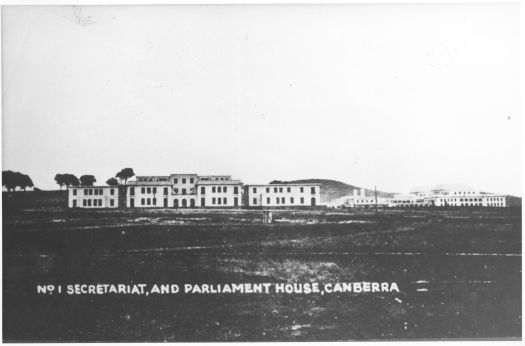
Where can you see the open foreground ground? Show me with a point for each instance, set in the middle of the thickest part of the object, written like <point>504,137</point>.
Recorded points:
<point>458,271</point>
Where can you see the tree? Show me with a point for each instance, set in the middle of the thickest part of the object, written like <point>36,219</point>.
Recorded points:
<point>87,180</point>
<point>59,178</point>
<point>125,174</point>
<point>70,180</point>
<point>112,182</point>
<point>24,181</point>
<point>9,180</point>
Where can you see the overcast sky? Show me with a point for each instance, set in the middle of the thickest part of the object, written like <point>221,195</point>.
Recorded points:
<point>390,95</point>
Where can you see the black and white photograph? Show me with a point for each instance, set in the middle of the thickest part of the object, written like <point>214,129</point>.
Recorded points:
<point>272,172</point>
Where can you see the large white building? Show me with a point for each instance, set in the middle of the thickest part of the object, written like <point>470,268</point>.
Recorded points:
<point>184,191</point>
<point>282,195</point>
<point>93,197</point>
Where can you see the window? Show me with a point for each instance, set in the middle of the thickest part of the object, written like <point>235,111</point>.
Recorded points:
<point>176,190</point>
<point>149,190</point>
<point>90,192</point>
<point>274,189</point>
<point>255,201</point>
<point>89,202</point>
<point>175,181</point>
<point>218,189</point>
<point>218,201</point>
<point>224,201</point>
<point>282,200</point>
<point>142,190</point>
<point>288,189</point>
<point>302,200</point>
<point>267,190</point>
<point>165,190</point>
<point>254,190</point>
<point>191,180</point>
<point>213,200</point>
<point>184,180</point>
<point>213,189</point>
<point>313,189</point>
<point>280,189</point>
<point>84,202</point>
<point>148,201</point>
<point>96,192</point>
<point>203,190</point>
<point>277,200</point>
<point>302,189</point>
<point>267,200</point>
<point>154,190</point>
<point>154,201</point>
<point>183,191</point>
<point>101,192</point>
<point>291,200</point>
<point>85,191</point>
<point>111,202</point>
<point>112,191</point>
<point>224,189</point>
<point>74,192</point>
<point>142,201</point>
<point>236,190</point>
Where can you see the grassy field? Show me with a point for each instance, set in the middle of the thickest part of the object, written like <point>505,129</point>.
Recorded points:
<point>458,271</point>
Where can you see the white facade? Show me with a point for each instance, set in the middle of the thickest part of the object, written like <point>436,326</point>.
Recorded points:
<point>93,197</point>
<point>184,191</point>
<point>469,200</point>
<point>219,193</point>
<point>282,195</point>
<point>148,194</point>
<point>410,200</point>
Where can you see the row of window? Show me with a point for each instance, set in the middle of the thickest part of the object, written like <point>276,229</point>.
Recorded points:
<point>183,180</point>
<point>281,189</point>
<point>148,201</point>
<point>94,203</point>
<point>280,200</point>
<point>145,190</point>
<point>153,179</point>
<point>88,192</point>
<point>219,201</point>
<point>220,189</point>
<point>491,199</point>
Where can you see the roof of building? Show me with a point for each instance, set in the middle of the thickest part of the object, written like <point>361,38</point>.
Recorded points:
<point>94,187</point>
<point>219,182</point>
<point>278,185</point>
<point>149,183</point>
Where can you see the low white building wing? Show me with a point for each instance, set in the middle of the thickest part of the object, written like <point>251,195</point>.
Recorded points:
<point>93,197</point>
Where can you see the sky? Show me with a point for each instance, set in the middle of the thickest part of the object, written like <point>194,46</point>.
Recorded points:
<point>393,96</point>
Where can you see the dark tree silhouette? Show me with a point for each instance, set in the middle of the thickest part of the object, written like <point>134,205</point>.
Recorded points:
<point>24,181</point>
<point>125,174</point>
<point>87,180</point>
<point>112,182</point>
<point>59,178</point>
<point>11,180</point>
<point>70,180</point>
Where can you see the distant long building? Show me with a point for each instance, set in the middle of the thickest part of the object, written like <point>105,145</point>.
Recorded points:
<point>438,196</point>
<point>198,191</point>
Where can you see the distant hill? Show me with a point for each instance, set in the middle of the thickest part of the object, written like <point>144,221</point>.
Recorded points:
<point>332,189</point>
